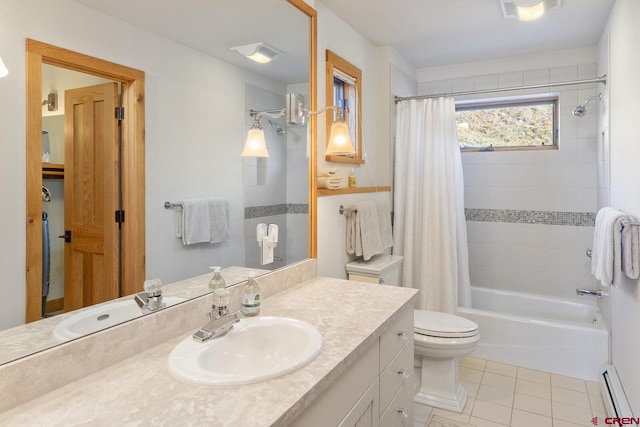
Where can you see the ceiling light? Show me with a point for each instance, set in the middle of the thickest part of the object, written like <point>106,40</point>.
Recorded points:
<point>3,69</point>
<point>259,52</point>
<point>527,10</point>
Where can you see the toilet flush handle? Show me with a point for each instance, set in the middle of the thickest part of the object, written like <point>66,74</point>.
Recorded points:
<point>403,335</point>
<point>406,373</point>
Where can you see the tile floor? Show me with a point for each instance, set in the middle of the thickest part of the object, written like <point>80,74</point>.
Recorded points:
<point>505,395</point>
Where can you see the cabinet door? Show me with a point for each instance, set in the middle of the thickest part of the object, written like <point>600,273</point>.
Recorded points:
<point>365,413</point>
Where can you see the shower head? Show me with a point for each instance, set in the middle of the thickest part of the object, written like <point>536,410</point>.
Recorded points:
<point>581,110</point>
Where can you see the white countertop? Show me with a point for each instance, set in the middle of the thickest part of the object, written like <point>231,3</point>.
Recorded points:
<point>141,391</point>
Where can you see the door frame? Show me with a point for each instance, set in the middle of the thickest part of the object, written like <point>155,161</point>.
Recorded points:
<point>133,165</point>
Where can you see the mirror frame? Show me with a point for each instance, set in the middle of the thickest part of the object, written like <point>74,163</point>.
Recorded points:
<point>133,259</point>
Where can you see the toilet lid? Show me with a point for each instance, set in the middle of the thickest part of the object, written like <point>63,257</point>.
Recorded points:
<point>437,324</point>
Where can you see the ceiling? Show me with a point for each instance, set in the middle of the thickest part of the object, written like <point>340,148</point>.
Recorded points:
<point>430,33</point>
<point>214,26</point>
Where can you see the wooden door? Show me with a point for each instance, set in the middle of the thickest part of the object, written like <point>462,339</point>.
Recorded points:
<point>91,196</point>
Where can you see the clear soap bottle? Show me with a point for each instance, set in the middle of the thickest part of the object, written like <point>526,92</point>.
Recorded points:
<point>251,296</point>
<point>216,282</point>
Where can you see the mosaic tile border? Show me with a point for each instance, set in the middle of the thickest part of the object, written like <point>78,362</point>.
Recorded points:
<point>575,219</point>
<point>271,210</point>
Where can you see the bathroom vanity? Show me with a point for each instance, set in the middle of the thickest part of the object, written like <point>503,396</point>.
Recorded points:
<point>363,372</point>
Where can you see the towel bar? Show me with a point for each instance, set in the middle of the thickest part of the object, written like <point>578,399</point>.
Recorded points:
<point>169,205</point>
<point>342,210</point>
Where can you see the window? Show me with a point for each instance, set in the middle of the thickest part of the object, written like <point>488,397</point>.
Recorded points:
<point>343,89</point>
<point>524,123</point>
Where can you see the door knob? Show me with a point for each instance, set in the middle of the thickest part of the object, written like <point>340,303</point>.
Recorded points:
<point>66,236</point>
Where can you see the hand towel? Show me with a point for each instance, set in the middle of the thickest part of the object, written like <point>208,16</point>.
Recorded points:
<point>219,221</point>
<point>351,231</point>
<point>384,221</point>
<point>368,229</point>
<point>607,255</point>
<point>631,249</point>
<point>327,172</point>
<point>194,225</point>
<point>329,182</point>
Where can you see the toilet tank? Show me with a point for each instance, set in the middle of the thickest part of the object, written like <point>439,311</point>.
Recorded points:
<point>383,269</point>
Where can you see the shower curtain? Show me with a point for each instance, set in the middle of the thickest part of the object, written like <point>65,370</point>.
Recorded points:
<point>429,223</point>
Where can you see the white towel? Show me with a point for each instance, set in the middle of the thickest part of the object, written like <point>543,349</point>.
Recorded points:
<point>219,221</point>
<point>384,221</point>
<point>631,249</point>
<point>327,172</point>
<point>194,224</point>
<point>607,255</point>
<point>331,183</point>
<point>203,221</point>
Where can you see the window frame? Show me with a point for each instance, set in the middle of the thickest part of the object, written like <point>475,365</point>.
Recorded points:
<point>515,101</point>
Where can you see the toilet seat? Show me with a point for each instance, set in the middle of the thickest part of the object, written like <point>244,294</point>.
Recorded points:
<point>443,325</point>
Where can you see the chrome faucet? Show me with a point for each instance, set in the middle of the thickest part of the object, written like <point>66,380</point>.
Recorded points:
<point>151,299</point>
<point>598,293</point>
<point>217,326</point>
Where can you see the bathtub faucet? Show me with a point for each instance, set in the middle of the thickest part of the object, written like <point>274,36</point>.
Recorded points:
<point>598,293</point>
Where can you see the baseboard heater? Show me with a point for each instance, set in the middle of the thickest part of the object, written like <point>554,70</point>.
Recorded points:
<point>615,400</point>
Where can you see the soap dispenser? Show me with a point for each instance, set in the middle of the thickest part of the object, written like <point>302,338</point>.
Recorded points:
<point>216,282</point>
<point>251,296</point>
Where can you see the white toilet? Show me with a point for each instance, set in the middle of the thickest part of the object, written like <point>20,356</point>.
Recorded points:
<point>440,339</point>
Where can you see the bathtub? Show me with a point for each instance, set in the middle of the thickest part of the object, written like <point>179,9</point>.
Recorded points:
<point>537,332</point>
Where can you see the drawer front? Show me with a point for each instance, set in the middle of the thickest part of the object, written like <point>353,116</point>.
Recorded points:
<point>395,337</point>
<point>400,411</point>
<point>395,375</point>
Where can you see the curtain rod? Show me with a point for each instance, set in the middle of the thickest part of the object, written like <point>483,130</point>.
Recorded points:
<point>602,79</point>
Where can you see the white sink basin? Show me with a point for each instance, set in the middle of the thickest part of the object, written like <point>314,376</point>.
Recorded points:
<point>101,317</point>
<point>256,349</point>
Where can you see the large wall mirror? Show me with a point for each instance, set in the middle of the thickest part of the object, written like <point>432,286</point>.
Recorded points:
<point>187,96</point>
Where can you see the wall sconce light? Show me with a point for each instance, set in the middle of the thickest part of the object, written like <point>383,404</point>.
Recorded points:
<point>51,102</point>
<point>296,113</point>
<point>259,52</point>
<point>3,69</point>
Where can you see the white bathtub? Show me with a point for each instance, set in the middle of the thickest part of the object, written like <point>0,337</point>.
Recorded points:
<point>537,332</point>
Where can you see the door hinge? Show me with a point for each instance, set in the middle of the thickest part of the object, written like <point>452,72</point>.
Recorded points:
<point>120,216</point>
<point>119,113</point>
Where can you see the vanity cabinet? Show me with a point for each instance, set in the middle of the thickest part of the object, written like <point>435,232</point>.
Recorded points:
<point>376,389</point>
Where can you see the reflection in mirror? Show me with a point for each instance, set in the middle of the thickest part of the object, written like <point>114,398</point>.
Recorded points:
<point>344,90</point>
<point>197,95</point>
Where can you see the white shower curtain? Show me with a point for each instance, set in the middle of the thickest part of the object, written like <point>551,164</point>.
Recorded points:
<point>429,223</point>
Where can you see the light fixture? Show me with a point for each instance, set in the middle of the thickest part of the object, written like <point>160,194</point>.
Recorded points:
<point>3,69</point>
<point>296,112</point>
<point>259,52</point>
<point>527,10</point>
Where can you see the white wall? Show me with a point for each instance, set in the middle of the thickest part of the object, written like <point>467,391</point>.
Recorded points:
<point>335,35</point>
<point>190,153</point>
<point>623,36</point>
<point>536,258</point>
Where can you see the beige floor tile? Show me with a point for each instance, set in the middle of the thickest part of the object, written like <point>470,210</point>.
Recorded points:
<point>597,404</point>
<point>527,419</point>
<point>437,421</point>
<point>499,381</point>
<point>560,423</point>
<point>533,389</point>
<point>455,416</point>
<point>479,422</point>
<point>501,368</point>
<point>492,412</point>
<point>471,375</point>
<point>570,383</point>
<point>473,363</point>
<point>496,395</point>
<point>594,388</point>
<point>532,404</point>
<point>570,413</point>
<point>534,376</point>
<point>601,415</point>
<point>570,397</point>
<point>472,388</point>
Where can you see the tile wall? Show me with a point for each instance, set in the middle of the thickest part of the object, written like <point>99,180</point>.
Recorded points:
<point>529,213</point>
